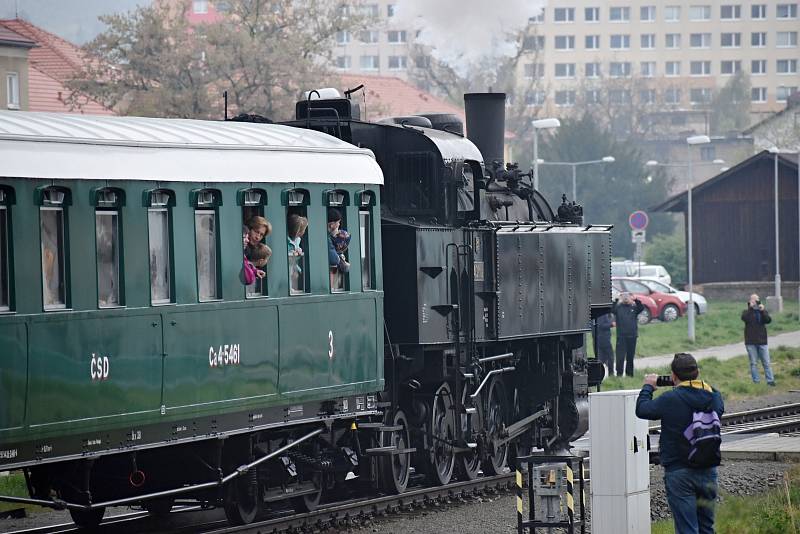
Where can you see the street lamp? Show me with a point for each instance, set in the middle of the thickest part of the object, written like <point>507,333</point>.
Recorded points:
<point>540,124</point>
<point>778,297</point>
<point>694,140</point>
<point>575,165</point>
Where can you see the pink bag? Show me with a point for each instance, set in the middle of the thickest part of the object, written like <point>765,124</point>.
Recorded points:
<point>248,274</point>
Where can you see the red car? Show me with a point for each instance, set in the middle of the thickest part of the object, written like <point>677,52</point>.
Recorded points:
<point>668,307</point>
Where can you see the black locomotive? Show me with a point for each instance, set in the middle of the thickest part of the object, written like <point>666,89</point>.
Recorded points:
<point>489,292</point>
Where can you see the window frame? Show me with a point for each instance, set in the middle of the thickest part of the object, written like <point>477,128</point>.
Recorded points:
<point>258,206</point>
<point>7,199</point>
<point>736,67</point>
<point>676,39</point>
<point>736,12</point>
<point>162,207</point>
<point>365,201</point>
<point>672,13</point>
<point>736,40</point>
<point>652,13</point>
<point>761,42</point>
<point>568,42</point>
<point>12,90</point>
<point>791,62</point>
<point>675,72</point>
<point>569,13</point>
<point>624,12</point>
<point>624,41</point>
<point>705,40</point>
<point>762,95</point>
<point>761,63</point>
<point>105,207</point>
<point>706,13</point>
<point>41,199</point>
<point>758,11</point>
<point>651,41</point>
<point>791,11</point>
<point>595,15</point>
<point>789,34</point>
<point>207,201</point>
<point>704,71</point>
<point>595,40</point>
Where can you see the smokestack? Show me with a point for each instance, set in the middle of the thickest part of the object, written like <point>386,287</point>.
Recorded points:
<point>486,123</point>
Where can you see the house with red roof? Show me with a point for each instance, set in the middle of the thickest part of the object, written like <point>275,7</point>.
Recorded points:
<point>388,96</point>
<point>14,50</point>
<point>50,62</point>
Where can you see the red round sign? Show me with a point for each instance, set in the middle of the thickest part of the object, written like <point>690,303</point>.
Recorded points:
<point>638,220</point>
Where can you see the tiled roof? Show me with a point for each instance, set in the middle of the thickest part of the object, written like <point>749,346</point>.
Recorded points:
<point>48,94</point>
<point>54,56</point>
<point>388,96</point>
<point>12,38</point>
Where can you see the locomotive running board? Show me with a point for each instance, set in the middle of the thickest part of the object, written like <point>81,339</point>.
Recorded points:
<point>58,504</point>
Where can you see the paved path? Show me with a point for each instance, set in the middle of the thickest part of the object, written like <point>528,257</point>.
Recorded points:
<point>723,352</point>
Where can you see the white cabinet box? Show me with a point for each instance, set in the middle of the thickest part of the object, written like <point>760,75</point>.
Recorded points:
<point>620,464</point>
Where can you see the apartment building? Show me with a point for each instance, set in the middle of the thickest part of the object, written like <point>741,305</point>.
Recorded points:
<point>677,52</point>
<point>386,48</point>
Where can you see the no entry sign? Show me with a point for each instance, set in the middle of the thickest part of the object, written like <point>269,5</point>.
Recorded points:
<point>638,220</point>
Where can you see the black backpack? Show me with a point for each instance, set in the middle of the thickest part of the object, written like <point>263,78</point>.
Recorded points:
<point>703,439</point>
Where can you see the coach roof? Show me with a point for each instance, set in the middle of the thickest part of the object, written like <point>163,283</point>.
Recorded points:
<point>53,145</point>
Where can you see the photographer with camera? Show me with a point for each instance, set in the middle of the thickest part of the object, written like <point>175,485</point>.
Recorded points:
<point>690,442</point>
<point>755,319</point>
<point>626,311</point>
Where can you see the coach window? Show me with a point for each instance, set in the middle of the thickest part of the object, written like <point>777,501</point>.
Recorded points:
<point>337,199</point>
<point>107,202</point>
<point>206,233</point>
<point>6,199</point>
<point>366,202</point>
<point>159,203</point>
<point>296,202</point>
<point>252,202</point>
<point>53,202</point>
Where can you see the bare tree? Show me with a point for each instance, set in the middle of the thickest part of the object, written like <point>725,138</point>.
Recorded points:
<point>263,52</point>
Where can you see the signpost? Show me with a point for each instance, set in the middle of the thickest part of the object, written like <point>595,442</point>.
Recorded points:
<point>638,221</point>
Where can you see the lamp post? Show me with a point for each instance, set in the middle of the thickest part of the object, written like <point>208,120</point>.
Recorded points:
<point>575,165</point>
<point>540,124</point>
<point>690,141</point>
<point>775,151</point>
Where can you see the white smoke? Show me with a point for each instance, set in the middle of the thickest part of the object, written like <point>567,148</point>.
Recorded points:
<point>464,32</point>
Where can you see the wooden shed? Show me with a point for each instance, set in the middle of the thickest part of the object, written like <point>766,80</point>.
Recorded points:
<point>734,221</point>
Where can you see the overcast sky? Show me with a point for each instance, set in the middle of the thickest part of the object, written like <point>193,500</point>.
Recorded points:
<point>74,20</point>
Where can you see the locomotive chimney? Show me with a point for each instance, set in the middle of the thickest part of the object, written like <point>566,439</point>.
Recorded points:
<point>486,124</point>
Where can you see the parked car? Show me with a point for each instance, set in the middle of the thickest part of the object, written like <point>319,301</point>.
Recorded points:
<point>635,269</point>
<point>668,307</point>
<point>650,306</point>
<point>700,303</point>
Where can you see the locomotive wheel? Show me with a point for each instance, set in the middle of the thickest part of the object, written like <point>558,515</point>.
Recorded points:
<point>469,463</point>
<point>159,507</point>
<point>395,469</point>
<point>87,518</point>
<point>242,502</point>
<point>310,501</point>
<point>496,420</point>
<point>441,457</point>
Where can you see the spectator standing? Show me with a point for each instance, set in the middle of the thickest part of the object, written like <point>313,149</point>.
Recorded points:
<point>605,352</point>
<point>689,443</point>
<point>755,319</point>
<point>626,311</point>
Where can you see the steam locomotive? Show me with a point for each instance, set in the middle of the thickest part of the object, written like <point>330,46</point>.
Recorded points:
<point>140,370</point>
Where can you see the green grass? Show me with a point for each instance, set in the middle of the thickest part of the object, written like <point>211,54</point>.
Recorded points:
<point>722,325</point>
<point>14,485</point>
<point>731,377</point>
<point>775,512</point>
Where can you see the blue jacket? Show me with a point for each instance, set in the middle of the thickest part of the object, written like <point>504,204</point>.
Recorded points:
<point>675,408</point>
<point>333,256</point>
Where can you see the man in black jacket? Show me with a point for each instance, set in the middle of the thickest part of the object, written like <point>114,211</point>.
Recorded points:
<point>626,311</point>
<point>755,319</point>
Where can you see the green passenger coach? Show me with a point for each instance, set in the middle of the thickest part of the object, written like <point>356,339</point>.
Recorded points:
<point>125,322</point>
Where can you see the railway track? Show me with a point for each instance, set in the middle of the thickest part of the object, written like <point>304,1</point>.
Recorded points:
<point>784,418</point>
<point>337,514</point>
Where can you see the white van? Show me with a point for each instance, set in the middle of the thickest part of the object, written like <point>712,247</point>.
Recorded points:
<point>635,269</point>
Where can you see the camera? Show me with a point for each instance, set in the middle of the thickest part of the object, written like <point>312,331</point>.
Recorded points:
<point>664,380</point>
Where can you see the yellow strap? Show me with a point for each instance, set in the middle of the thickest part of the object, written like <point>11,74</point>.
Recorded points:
<point>569,475</point>
<point>519,479</point>
<point>519,504</point>
<point>697,384</point>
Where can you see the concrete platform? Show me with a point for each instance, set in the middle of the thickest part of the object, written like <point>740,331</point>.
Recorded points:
<point>773,447</point>
<point>766,447</point>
